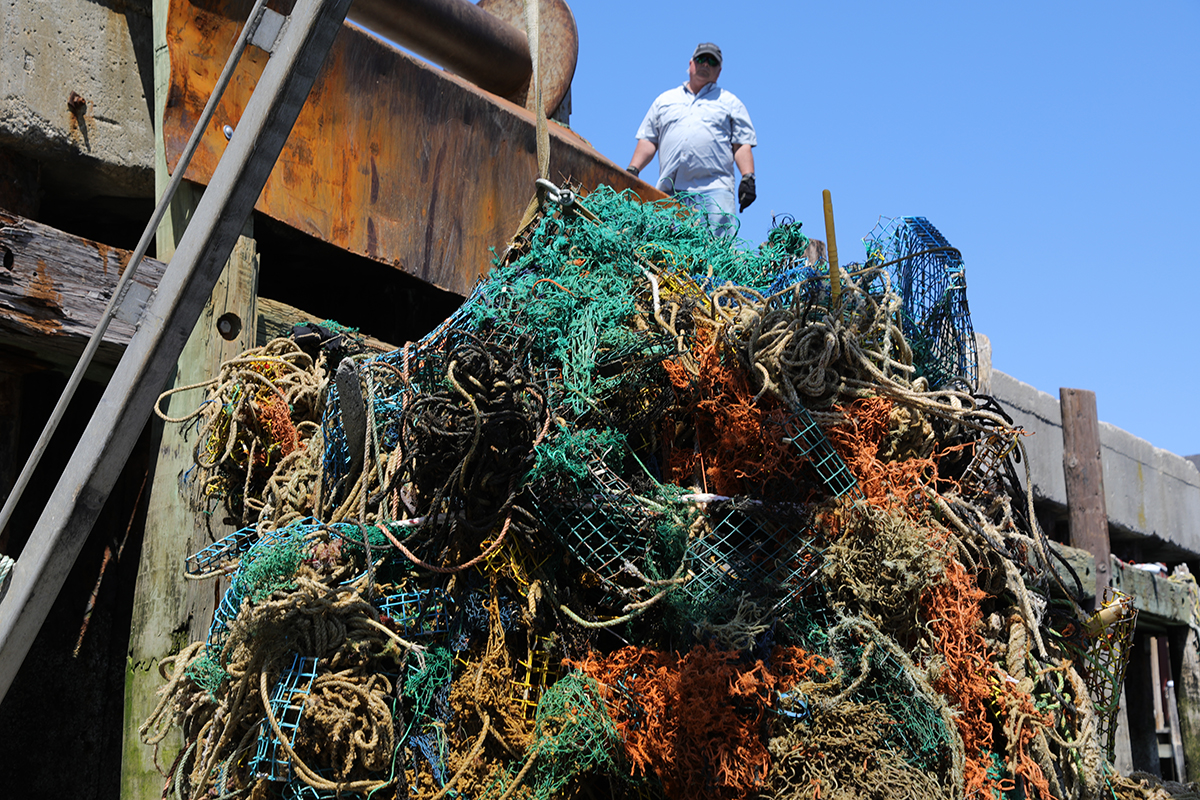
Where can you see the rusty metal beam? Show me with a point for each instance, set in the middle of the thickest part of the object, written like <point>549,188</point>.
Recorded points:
<point>391,158</point>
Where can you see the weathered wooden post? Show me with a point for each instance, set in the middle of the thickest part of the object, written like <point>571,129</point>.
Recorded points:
<point>1084,471</point>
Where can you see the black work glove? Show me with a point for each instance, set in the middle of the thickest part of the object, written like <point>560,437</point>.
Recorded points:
<point>746,193</point>
<point>632,170</point>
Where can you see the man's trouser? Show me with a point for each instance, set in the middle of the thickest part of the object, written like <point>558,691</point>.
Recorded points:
<point>719,205</point>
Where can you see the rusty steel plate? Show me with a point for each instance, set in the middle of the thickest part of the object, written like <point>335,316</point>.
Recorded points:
<point>391,158</point>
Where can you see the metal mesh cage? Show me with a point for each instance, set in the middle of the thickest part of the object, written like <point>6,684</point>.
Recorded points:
<point>422,612</point>
<point>932,282</point>
<point>920,732</point>
<point>532,675</point>
<point>1105,661</point>
<point>231,602</point>
<point>632,390</point>
<point>222,552</point>
<point>601,524</point>
<point>513,560</point>
<point>751,548</point>
<point>287,706</point>
<point>982,475</point>
<point>803,431</point>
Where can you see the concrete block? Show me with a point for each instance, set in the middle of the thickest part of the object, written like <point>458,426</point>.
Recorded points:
<point>76,90</point>
<point>1038,413</point>
<point>1148,492</point>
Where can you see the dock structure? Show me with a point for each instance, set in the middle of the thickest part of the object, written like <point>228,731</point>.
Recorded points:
<point>396,181</point>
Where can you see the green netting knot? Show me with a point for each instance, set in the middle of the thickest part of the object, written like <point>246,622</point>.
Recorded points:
<point>207,674</point>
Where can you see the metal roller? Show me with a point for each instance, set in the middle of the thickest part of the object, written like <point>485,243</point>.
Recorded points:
<point>486,43</point>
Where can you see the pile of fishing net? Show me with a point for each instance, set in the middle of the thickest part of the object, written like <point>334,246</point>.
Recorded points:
<point>651,515</point>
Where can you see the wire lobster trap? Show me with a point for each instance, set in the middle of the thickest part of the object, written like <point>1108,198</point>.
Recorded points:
<point>532,675</point>
<point>753,549</point>
<point>247,550</point>
<point>418,613</point>
<point>513,560</point>
<point>600,522</point>
<point>1105,660</point>
<point>632,391</point>
<point>271,759</point>
<point>984,472</point>
<point>920,732</point>
<point>220,554</point>
<point>930,276</point>
<point>807,436</point>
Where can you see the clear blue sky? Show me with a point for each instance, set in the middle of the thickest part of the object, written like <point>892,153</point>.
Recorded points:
<point>1054,143</point>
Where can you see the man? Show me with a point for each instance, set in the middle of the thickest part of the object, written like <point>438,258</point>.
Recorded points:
<point>700,131</point>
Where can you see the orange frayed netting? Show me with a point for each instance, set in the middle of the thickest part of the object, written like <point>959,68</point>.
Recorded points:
<point>695,720</point>
<point>868,428</point>
<point>954,616</point>
<point>737,438</point>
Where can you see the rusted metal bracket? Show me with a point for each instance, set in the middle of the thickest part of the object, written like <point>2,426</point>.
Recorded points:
<point>269,30</point>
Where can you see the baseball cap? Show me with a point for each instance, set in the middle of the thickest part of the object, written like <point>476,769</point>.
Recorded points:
<point>709,48</point>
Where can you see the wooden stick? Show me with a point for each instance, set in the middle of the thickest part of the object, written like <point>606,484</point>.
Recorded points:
<point>835,278</point>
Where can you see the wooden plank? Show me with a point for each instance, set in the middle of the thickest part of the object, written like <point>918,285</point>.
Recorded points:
<point>1139,691</point>
<point>391,159</point>
<point>169,611</point>
<point>54,288</point>
<point>1186,643</point>
<point>1177,754</point>
<point>275,320</point>
<point>57,285</point>
<point>1162,602</point>
<point>1084,473</point>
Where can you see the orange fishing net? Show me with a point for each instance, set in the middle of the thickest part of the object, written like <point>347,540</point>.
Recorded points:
<point>275,417</point>
<point>978,689</point>
<point>892,484</point>
<point>1022,724</point>
<point>695,720</point>
<point>953,613</point>
<point>741,438</point>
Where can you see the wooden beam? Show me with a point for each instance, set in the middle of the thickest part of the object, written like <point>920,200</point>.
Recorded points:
<point>1162,603</point>
<point>58,285</point>
<point>1085,481</point>
<point>1139,691</point>
<point>1185,647</point>
<point>54,288</point>
<point>275,320</point>
<point>167,610</point>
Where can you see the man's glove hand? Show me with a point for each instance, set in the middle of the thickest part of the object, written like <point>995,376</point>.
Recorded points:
<point>746,193</point>
<point>632,170</point>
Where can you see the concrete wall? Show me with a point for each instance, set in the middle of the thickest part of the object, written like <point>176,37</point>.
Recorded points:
<point>1149,492</point>
<point>102,52</point>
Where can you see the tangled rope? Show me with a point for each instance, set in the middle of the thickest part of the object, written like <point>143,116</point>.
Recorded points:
<point>649,514</point>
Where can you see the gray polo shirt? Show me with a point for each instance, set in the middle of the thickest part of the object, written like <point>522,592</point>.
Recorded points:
<point>695,134</point>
